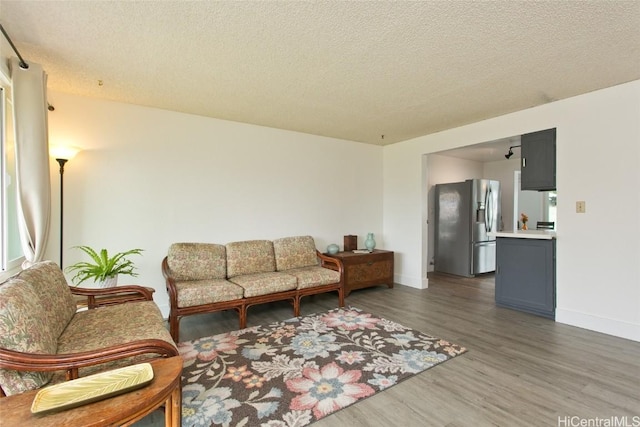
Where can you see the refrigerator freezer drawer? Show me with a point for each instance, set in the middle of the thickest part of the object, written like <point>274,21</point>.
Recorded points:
<point>483,257</point>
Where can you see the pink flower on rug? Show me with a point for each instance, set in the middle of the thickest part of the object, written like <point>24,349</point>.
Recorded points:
<point>206,349</point>
<point>236,374</point>
<point>224,342</point>
<point>285,331</point>
<point>327,390</point>
<point>187,351</point>
<point>350,357</point>
<point>350,320</point>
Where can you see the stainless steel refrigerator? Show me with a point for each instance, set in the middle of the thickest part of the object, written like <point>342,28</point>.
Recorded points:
<point>464,213</point>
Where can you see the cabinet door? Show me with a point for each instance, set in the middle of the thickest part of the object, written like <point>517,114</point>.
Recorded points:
<point>538,165</point>
<point>525,275</point>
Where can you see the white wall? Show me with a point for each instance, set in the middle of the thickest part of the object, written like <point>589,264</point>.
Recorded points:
<point>147,178</point>
<point>598,161</point>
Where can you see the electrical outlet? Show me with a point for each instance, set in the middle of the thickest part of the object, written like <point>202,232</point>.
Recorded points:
<point>581,207</point>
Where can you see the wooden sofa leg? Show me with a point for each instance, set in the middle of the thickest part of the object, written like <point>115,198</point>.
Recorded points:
<point>242,313</point>
<point>296,306</point>
<point>341,297</point>
<point>174,327</point>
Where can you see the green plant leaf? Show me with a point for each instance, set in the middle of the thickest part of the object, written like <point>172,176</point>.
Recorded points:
<point>102,265</point>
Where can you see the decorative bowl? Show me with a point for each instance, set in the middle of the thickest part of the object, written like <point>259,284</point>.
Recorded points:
<point>333,249</point>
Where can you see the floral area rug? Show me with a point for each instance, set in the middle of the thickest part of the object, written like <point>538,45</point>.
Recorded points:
<point>295,372</point>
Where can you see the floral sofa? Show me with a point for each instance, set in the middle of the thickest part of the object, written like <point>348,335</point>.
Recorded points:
<point>45,340</point>
<point>207,277</point>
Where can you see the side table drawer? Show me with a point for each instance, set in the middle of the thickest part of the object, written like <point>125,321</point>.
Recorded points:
<point>369,272</point>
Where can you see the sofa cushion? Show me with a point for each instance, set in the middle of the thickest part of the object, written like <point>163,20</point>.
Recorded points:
<point>54,294</point>
<point>197,261</point>
<point>113,325</point>
<point>198,292</point>
<point>24,327</point>
<point>265,283</point>
<point>250,257</point>
<point>309,277</point>
<point>295,252</point>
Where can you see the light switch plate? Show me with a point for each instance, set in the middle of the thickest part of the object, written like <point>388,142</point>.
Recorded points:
<point>581,207</point>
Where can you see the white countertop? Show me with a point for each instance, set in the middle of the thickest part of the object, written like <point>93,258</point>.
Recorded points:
<point>525,234</point>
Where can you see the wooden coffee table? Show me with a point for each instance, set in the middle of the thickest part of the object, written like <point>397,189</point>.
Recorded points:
<point>122,410</point>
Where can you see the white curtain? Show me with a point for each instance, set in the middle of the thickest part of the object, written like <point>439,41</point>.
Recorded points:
<point>32,158</point>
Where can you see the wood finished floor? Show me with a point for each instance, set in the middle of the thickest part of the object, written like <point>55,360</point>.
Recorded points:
<point>519,370</point>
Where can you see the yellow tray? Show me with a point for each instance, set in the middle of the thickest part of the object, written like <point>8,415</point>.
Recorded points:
<point>92,388</point>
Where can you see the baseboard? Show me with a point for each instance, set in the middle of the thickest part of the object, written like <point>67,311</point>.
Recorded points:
<point>617,328</point>
<point>411,281</point>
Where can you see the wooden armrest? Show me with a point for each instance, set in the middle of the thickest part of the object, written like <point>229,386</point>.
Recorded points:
<point>71,362</point>
<point>134,289</point>
<point>324,260</point>
<point>116,295</point>
<point>172,291</point>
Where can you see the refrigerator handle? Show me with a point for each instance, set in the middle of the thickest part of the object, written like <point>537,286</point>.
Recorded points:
<point>489,211</point>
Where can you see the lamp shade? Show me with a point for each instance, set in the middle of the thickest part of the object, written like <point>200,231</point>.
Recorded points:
<point>63,152</point>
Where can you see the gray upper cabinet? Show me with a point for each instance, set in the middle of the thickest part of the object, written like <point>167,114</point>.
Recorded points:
<point>538,167</point>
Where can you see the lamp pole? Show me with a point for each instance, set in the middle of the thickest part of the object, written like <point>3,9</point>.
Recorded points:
<point>61,162</point>
<point>62,154</point>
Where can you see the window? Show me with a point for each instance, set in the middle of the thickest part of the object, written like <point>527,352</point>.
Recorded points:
<point>538,205</point>
<point>10,251</point>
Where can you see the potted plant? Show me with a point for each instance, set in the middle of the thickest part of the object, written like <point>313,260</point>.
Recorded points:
<point>104,269</point>
<point>524,219</point>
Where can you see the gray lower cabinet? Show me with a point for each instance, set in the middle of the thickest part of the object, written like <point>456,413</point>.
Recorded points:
<point>525,275</point>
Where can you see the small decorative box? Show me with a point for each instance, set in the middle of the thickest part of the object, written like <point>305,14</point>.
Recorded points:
<point>350,243</point>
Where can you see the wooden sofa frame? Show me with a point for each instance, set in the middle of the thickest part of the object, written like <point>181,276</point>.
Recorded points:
<point>242,304</point>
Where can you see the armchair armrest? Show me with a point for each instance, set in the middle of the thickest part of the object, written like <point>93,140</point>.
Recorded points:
<point>72,362</point>
<point>172,291</point>
<point>332,263</point>
<point>116,295</point>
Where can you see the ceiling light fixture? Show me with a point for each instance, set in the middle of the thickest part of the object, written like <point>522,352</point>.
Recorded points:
<point>510,153</point>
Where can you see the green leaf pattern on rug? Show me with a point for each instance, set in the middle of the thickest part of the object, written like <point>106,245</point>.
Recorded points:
<point>292,373</point>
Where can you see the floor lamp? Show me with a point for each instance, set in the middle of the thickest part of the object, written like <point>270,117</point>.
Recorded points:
<point>62,156</point>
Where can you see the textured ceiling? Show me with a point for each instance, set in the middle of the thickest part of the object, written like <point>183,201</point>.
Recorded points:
<point>350,70</point>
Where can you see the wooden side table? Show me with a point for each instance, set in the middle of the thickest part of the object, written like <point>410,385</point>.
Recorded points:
<point>365,270</point>
<point>122,410</point>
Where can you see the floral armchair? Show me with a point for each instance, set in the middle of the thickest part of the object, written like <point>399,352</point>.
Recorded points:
<point>44,340</point>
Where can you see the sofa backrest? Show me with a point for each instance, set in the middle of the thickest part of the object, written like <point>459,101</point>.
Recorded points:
<point>197,261</point>
<point>250,257</point>
<point>55,297</point>
<point>295,252</point>
<point>35,307</point>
